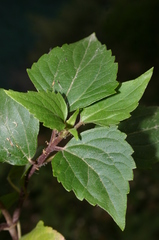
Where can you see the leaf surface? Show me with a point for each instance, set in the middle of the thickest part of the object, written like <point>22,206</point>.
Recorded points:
<point>18,132</point>
<point>97,168</point>
<point>84,72</point>
<point>142,131</point>
<point>40,232</point>
<point>116,108</point>
<point>71,121</point>
<point>48,107</point>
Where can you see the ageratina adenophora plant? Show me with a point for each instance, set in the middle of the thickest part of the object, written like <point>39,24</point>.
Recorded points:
<point>91,148</point>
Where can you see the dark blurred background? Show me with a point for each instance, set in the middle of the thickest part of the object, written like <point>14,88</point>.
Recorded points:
<point>130,29</point>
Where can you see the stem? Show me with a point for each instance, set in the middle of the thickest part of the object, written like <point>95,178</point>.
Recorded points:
<point>52,146</point>
<point>17,211</point>
<point>55,139</point>
<point>11,223</point>
<point>79,124</point>
<point>11,227</point>
<point>19,230</point>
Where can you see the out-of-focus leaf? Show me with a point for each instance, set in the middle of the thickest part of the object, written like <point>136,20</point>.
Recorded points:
<point>9,199</point>
<point>15,177</point>
<point>142,131</point>
<point>40,232</point>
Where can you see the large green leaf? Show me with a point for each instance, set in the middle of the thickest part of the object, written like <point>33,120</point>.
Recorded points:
<point>143,135</point>
<point>49,107</point>
<point>116,108</point>
<point>97,168</point>
<point>18,132</point>
<point>84,72</point>
<point>40,232</point>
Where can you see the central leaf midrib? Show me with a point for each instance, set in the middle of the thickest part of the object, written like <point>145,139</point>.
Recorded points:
<point>78,69</point>
<point>80,97</point>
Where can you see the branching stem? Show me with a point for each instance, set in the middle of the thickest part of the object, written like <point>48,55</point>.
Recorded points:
<point>52,146</point>
<point>10,225</point>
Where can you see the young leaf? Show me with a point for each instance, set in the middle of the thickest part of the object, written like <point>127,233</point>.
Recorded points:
<point>116,108</point>
<point>84,72</point>
<point>71,121</point>
<point>40,232</point>
<point>142,131</point>
<point>74,132</point>
<point>18,132</point>
<point>98,168</point>
<point>48,107</point>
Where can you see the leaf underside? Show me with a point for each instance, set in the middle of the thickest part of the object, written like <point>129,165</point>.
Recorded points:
<point>84,72</point>
<point>18,132</point>
<point>116,108</point>
<point>98,168</point>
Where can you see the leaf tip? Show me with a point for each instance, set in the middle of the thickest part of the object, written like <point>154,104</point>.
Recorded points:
<point>93,36</point>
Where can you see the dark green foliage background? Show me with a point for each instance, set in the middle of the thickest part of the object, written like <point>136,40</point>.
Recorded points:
<point>130,29</point>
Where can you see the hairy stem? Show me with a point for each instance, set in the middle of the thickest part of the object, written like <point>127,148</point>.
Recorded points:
<point>54,140</point>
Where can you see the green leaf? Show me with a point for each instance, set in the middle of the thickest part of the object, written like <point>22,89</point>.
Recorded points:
<point>48,107</point>
<point>18,132</point>
<point>84,72</point>
<point>71,121</point>
<point>40,232</point>
<point>116,108</point>
<point>142,131</point>
<point>97,168</point>
<point>74,132</point>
